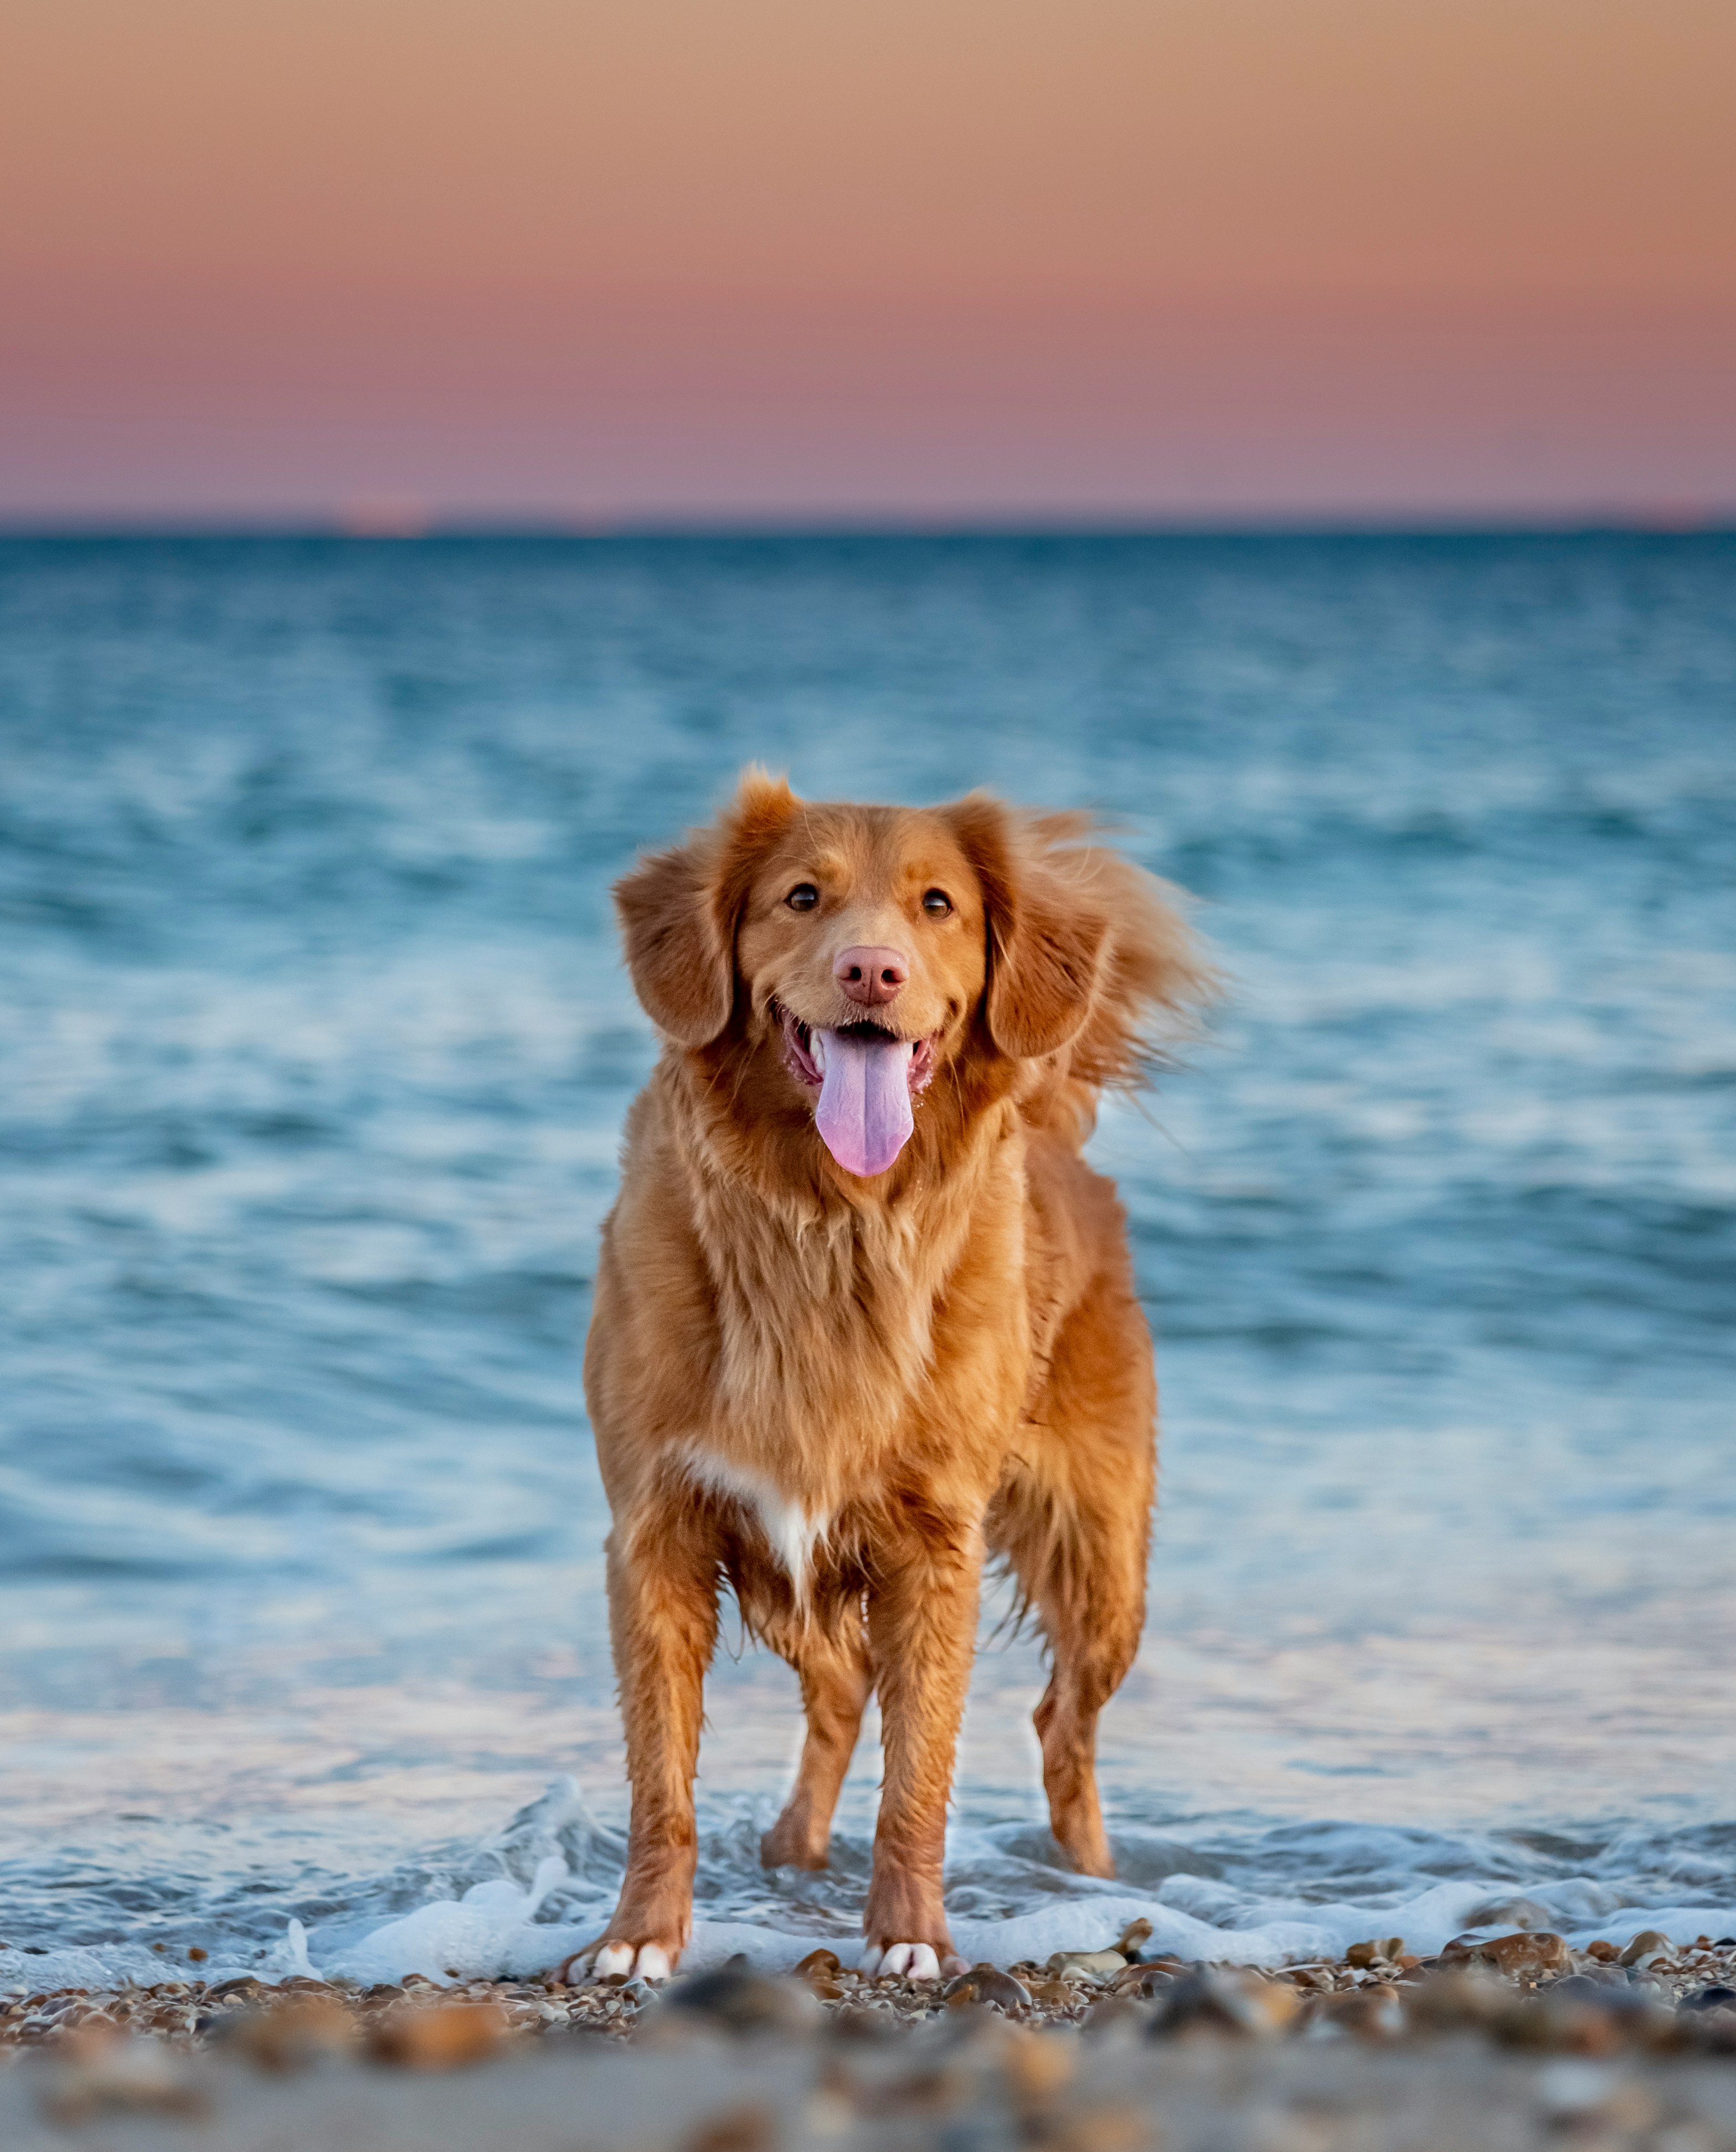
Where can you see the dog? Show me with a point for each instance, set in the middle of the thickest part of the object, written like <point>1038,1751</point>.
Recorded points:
<point>864,1319</point>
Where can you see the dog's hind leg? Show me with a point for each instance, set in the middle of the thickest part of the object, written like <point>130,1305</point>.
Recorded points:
<point>1074,1521</point>
<point>832,1665</point>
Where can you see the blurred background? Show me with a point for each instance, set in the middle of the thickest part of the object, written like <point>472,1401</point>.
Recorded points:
<point>438,447</point>
<point>403,260</point>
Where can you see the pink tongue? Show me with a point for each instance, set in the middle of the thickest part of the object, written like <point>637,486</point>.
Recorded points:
<point>864,1113</point>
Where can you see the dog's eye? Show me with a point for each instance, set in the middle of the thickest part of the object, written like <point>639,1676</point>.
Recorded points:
<point>802,897</point>
<point>936,903</point>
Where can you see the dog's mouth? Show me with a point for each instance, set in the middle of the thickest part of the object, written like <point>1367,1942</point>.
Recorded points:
<point>865,1076</point>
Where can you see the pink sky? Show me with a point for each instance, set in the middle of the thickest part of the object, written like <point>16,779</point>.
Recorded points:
<point>669,259</point>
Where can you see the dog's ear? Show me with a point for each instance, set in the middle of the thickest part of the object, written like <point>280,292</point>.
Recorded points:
<point>681,965</point>
<point>678,910</point>
<point>1047,941</point>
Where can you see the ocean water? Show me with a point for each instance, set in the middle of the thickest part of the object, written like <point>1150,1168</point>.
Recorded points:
<point>314,1050</point>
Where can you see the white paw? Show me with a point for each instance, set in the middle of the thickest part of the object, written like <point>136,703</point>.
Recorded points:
<point>621,1961</point>
<point>908,1960</point>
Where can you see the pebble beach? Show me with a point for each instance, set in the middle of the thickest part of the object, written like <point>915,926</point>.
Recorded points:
<point>1507,2040</point>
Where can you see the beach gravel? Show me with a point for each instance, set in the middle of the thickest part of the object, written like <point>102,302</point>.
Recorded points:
<point>1515,2041</point>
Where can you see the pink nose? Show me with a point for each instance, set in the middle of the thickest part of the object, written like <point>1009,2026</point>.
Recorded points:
<point>871,976</point>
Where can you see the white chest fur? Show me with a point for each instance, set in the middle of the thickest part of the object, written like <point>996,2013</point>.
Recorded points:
<point>791,1533</point>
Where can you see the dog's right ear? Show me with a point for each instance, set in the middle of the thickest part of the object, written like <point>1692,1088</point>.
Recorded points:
<point>678,910</point>
<point>682,967</point>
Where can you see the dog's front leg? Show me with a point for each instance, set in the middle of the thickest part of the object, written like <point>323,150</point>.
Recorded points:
<point>922,1634</point>
<point>662,1624</point>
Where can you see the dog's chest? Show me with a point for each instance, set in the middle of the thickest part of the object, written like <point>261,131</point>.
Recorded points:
<point>830,1367</point>
<point>824,1346</point>
<point>792,1528</point>
<point>825,1327</point>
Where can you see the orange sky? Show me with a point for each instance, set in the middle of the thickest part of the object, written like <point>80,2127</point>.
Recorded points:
<point>662,257</point>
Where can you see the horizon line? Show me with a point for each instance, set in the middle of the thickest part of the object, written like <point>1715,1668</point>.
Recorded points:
<point>372,527</point>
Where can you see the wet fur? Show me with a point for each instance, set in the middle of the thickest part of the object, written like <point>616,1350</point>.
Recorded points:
<point>908,1375</point>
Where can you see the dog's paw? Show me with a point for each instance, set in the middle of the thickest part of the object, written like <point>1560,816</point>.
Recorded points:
<point>905,1961</point>
<point>623,1961</point>
<point>787,1844</point>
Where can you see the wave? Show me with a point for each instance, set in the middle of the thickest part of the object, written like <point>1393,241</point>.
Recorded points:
<point>519,1900</point>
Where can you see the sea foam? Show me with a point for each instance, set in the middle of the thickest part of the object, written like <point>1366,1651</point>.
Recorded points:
<point>521,1901</point>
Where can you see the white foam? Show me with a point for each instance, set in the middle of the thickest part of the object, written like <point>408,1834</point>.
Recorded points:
<point>501,1927</point>
<point>491,1931</point>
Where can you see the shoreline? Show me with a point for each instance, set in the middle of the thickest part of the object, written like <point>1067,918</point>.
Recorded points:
<point>1074,1988</point>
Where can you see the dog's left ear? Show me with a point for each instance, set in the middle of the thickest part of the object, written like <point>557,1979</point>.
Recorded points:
<point>678,910</point>
<point>1046,942</point>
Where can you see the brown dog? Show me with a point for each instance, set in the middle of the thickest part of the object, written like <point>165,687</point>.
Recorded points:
<point>864,1317</point>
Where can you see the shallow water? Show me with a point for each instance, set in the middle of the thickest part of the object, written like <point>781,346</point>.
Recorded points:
<point>313,1053</point>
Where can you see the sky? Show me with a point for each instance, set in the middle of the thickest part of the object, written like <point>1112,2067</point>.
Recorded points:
<point>604,261</point>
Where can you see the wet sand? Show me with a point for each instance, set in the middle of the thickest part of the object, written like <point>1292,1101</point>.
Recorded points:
<point>1511,2041</point>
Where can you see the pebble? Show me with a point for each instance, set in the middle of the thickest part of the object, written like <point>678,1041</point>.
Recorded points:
<point>1086,1965</point>
<point>293,2034</point>
<point>1112,2013</point>
<point>1212,1998</point>
<point>741,2001</point>
<point>1526,1951</point>
<point>104,2074</point>
<point>986,1983</point>
<point>1038,2066</point>
<point>1587,1986</point>
<point>1373,2013</point>
<point>437,2035</point>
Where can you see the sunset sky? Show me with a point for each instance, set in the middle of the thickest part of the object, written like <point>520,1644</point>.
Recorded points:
<point>619,259</point>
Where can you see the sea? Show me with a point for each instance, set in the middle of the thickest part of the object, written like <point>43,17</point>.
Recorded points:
<point>315,1046</point>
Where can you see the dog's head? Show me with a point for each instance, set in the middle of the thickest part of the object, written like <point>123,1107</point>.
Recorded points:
<point>853,953</point>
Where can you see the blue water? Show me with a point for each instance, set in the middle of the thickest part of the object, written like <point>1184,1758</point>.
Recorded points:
<point>313,1053</point>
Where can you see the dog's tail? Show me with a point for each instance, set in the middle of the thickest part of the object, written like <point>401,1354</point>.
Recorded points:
<point>1154,977</point>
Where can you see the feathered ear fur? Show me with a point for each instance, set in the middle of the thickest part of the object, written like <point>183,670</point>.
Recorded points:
<point>678,910</point>
<point>1046,941</point>
<point>1085,950</point>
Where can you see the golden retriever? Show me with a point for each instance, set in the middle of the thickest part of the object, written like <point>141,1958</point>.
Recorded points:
<point>865,1317</point>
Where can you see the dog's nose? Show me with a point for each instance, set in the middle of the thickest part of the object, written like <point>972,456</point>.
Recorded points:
<point>871,976</point>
